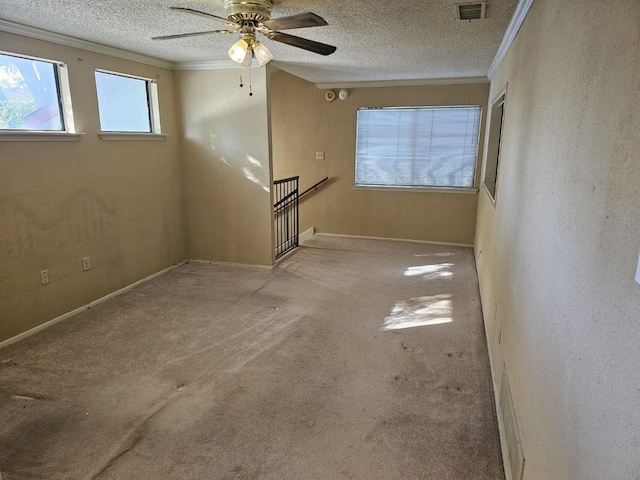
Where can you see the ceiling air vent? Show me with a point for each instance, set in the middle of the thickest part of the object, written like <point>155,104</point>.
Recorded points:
<point>470,11</point>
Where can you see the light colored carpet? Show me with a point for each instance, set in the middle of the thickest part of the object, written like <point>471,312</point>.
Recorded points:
<point>353,359</point>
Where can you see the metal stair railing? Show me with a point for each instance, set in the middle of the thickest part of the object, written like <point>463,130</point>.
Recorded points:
<point>286,212</point>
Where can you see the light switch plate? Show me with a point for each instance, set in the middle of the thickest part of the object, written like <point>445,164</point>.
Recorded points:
<point>638,271</point>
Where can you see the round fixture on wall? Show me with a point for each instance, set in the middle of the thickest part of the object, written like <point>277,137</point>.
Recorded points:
<point>330,96</point>
<point>343,94</point>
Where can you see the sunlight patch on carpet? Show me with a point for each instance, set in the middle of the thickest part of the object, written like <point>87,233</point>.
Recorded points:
<point>419,312</point>
<point>428,270</point>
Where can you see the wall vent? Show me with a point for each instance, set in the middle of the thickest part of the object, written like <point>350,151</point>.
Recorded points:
<point>470,11</point>
<point>510,427</point>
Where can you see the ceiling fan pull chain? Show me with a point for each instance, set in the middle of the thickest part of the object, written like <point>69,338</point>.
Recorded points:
<point>241,84</point>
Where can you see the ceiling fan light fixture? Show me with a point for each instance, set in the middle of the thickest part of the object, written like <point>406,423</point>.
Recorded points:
<point>239,51</point>
<point>254,16</point>
<point>262,53</point>
<point>247,60</point>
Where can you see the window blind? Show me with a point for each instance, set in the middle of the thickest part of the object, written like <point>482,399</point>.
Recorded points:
<point>417,146</point>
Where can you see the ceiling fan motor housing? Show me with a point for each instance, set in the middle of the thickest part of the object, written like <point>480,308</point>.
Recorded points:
<point>248,10</point>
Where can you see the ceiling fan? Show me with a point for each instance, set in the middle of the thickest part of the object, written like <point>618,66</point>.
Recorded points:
<point>254,16</point>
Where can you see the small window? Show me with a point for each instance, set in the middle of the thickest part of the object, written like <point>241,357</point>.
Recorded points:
<point>492,163</point>
<point>31,95</point>
<point>417,146</point>
<point>127,103</point>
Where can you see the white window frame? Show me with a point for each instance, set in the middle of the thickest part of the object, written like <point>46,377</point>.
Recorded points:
<point>493,149</point>
<point>69,132</point>
<point>427,188</point>
<point>154,111</point>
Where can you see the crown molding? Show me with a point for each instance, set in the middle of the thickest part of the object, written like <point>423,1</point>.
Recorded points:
<point>509,36</point>
<point>404,83</point>
<point>32,32</point>
<point>514,26</point>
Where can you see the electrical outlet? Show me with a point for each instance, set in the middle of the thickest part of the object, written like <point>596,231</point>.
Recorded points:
<point>86,263</point>
<point>319,155</point>
<point>44,276</point>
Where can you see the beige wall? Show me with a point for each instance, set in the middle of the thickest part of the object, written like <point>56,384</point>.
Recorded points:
<point>117,201</point>
<point>304,122</point>
<point>557,255</point>
<point>226,159</point>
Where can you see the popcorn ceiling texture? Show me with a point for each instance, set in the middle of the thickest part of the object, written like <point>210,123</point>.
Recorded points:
<point>376,40</point>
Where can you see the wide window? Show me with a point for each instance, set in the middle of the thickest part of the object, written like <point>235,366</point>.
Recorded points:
<point>417,146</point>
<point>126,103</point>
<point>30,94</point>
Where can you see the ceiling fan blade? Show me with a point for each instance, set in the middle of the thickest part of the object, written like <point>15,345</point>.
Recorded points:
<point>194,34</point>
<point>316,47</point>
<point>301,20</point>
<point>231,23</point>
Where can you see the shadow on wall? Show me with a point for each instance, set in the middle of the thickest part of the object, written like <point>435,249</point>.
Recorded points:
<point>52,236</point>
<point>234,172</point>
<point>83,217</point>
<point>251,168</point>
<point>233,134</point>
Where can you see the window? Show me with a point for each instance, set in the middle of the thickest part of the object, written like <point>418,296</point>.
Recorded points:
<point>34,95</point>
<point>417,146</point>
<point>492,162</point>
<point>127,103</point>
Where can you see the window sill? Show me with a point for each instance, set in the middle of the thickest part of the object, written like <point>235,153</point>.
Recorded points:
<point>119,136</point>
<point>32,136</point>
<point>467,191</point>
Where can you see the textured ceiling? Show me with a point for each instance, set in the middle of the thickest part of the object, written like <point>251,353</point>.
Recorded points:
<point>377,40</point>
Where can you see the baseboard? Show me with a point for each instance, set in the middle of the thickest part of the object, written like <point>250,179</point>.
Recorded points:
<point>390,239</point>
<point>280,259</point>
<point>78,310</point>
<point>306,235</point>
<point>496,401</point>
<point>231,264</point>
<point>302,237</point>
<point>496,389</point>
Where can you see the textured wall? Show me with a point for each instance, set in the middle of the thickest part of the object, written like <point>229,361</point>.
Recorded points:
<point>226,165</point>
<point>304,122</point>
<point>557,255</point>
<point>116,201</point>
